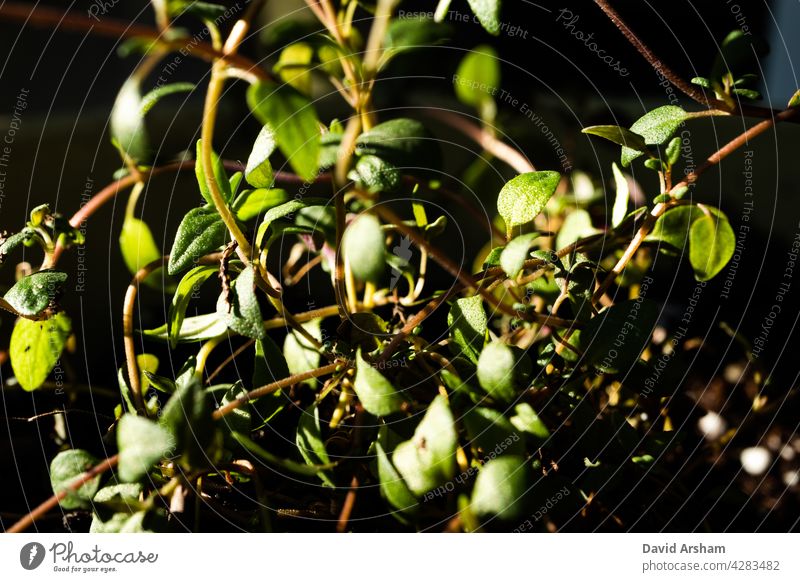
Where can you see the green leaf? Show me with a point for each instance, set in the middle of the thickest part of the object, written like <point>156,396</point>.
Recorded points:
<point>202,10</point>
<point>468,326</point>
<point>375,392</point>
<point>141,443</point>
<point>9,244</point>
<point>35,348</point>
<point>294,66</point>
<point>393,487</point>
<point>618,135</point>
<point>622,197</point>
<point>258,172</point>
<point>200,232</point>
<point>220,176</point>
<point>739,55</point>
<point>502,371</point>
<point>300,355</point>
<point>478,76</point>
<point>160,383</point>
<point>613,340</point>
<point>526,420</point>
<point>239,419</point>
<point>491,433</point>
<point>702,82</point>
<point>187,288</point>
<point>253,203</point>
<point>373,174</point>
<point>310,443</point>
<point>488,13</point>
<point>672,153</point>
<point>235,182</point>
<point>428,459</point>
<point>656,127</point>
<point>65,468</point>
<point>500,488</point>
<point>127,124</point>
<point>673,226</point>
<point>364,248</point>
<point>243,314</point>
<point>711,245</point>
<point>294,120</point>
<point>404,143</point>
<point>139,249</point>
<point>524,197</point>
<point>516,253</point>
<point>284,210</point>
<point>577,225</point>
<point>407,34</point>
<point>750,94</point>
<point>187,418</point>
<point>113,506</point>
<point>31,295</point>
<point>193,329</point>
<point>793,102</point>
<point>154,96</point>
<point>441,10</point>
<point>148,366</point>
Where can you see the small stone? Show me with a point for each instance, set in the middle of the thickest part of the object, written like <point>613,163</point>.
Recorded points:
<point>755,460</point>
<point>712,425</point>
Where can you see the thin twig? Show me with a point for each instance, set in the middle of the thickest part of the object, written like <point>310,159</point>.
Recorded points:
<point>653,60</point>
<point>127,330</point>
<point>490,143</point>
<point>274,387</point>
<point>462,275</point>
<point>53,501</point>
<point>347,507</point>
<point>51,18</point>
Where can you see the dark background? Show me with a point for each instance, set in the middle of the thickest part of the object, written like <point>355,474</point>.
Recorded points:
<point>73,78</point>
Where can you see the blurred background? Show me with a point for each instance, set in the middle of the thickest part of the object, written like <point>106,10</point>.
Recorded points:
<point>61,154</point>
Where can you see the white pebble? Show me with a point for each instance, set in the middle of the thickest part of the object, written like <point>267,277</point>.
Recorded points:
<point>755,460</point>
<point>787,453</point>
<point>712,425</point>
<point>791,478</point>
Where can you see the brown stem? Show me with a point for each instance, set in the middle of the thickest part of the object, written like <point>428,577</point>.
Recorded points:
<point>53,19</point>
<point>347,507</point>
<point>109,192</point>
<point>463,276</point>
<point>412,323</point>
<point>274,387</point>
<point>491,144</point>
<point>653,60</point>
<point>53,501</point>
<point>127,330</point>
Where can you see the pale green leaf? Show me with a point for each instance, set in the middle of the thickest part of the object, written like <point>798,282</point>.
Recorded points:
<point>375,392</point>
<point>35,348</point>
<point>65,468</point>
<point>141,443</point>
<point>623,193</point>
<point>523,198</point>
<point>468,325</point>
<point>294,120</point>
<point>258,171</point>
